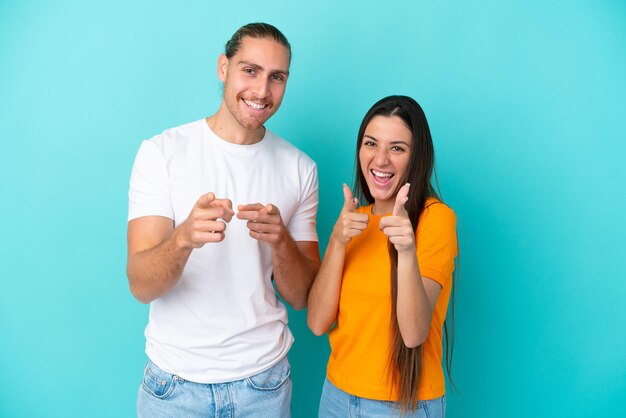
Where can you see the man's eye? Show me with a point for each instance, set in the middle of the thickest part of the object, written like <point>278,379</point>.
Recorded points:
<point>248,70</point>
<point>277,77</point>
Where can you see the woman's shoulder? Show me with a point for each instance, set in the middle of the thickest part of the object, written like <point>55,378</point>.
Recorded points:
<point>435,209</point>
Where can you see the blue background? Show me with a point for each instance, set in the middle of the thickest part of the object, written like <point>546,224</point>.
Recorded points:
<point>526,101</point>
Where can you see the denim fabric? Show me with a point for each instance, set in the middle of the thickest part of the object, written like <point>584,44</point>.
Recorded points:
<point>265,395</point>
<point>336,403</point>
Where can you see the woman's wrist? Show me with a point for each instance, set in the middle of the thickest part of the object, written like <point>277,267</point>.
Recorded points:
<point>335,244</point>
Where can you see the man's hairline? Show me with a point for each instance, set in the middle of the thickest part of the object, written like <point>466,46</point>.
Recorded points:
<point>269,37</point>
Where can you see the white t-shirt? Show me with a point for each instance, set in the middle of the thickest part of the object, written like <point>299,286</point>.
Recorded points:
<point>223,320</point>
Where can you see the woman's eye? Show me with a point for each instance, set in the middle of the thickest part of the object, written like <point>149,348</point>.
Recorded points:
<point>369,143</point>
<point>397,149</point>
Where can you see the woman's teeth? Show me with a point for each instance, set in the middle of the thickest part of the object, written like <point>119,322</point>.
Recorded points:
<point>381,174</point>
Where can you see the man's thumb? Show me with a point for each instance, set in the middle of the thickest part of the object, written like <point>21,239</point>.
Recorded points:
<point>205,200</point>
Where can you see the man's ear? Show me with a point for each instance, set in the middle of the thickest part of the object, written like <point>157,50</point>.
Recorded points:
<point>222,67</point>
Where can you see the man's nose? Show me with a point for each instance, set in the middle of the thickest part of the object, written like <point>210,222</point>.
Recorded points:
<point>261,88</point>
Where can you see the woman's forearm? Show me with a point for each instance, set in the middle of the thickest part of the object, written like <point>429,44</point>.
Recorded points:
<point>324,296</point>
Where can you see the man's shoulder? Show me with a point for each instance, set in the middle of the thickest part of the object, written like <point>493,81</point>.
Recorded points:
<point>282,146</point>
<point>178,136</point>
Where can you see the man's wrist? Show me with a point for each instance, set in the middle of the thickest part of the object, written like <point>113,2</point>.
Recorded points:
<point>181,243</point>
<point>284,239</point>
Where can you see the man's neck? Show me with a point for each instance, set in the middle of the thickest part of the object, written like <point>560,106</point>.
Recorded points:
<point>226,127</point>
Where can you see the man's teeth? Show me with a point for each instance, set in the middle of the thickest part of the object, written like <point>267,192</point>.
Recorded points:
<point>253,105</point>
<point>381,174</point>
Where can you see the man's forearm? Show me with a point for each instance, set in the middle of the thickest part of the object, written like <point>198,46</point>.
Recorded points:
<point>294,272</point>
<point>157,253</point>
<point>152,272</point>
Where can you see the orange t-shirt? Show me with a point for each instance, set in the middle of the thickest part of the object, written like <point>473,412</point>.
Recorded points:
<point>360,340</point>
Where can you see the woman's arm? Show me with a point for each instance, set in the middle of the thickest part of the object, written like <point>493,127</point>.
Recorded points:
<point>417,295</point>
<point>323,302</point>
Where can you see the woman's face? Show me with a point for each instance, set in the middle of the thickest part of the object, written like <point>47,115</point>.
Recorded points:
<point>384,157</point>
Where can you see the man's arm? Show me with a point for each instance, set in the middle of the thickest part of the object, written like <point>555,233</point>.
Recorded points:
<point>157,253</point>
<point>295,263</point>
<point>295,266</point>
<point>156,257</point>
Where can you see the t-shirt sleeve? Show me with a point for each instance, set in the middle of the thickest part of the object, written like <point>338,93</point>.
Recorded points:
<point>437,243</point>
<point>302,223</point>
<point>149,192</point>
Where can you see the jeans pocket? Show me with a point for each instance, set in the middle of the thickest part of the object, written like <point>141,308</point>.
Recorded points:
<point>395,407</point>
<point>273,378</point>
<point>157,382</point>
<point>435,408</point>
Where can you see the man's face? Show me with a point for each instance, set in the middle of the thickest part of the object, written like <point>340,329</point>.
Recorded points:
<point>254,79</point>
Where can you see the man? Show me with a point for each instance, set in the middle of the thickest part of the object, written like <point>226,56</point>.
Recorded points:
<point>218,208</point>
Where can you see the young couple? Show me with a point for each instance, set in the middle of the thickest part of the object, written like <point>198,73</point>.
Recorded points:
<point>220,208</point>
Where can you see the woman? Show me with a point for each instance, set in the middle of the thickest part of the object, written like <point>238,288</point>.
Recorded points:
<point>386,277</point>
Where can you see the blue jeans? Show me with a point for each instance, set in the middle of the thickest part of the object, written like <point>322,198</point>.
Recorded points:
<point>265,395</point>
<point>336,403</point>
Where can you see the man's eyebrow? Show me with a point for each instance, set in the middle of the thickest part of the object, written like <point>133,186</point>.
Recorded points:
<point>258,67</point>
<point>250,64</point>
